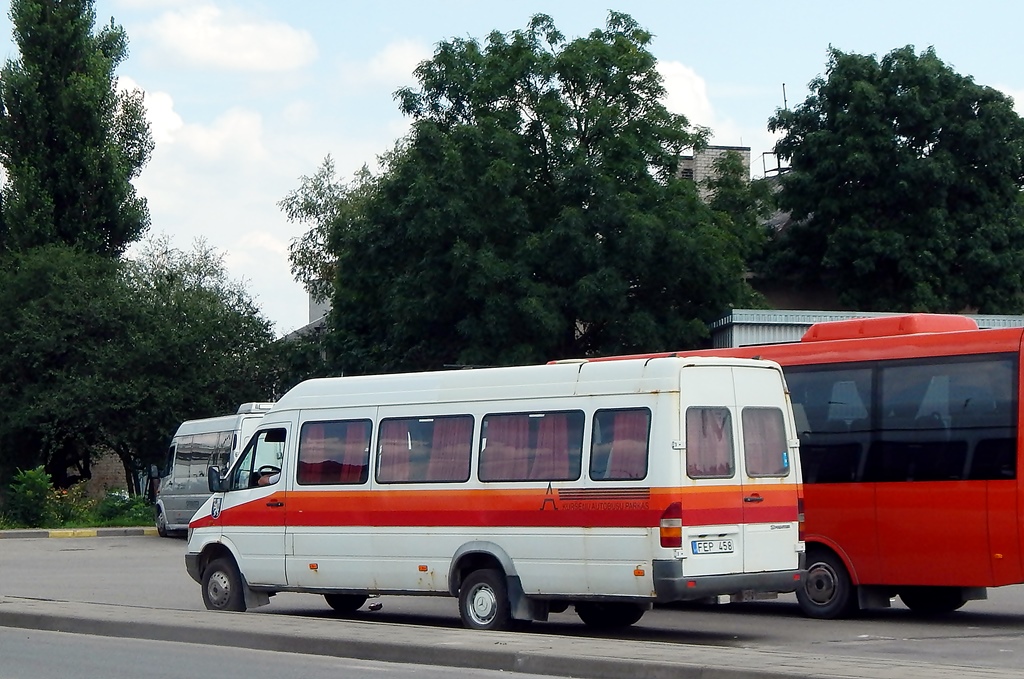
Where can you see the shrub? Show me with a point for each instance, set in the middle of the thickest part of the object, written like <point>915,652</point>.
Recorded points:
<point>29,498</point>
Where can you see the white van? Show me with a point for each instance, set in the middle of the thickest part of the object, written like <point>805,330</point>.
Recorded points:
<point>521,491</point>
<point>198,444</point>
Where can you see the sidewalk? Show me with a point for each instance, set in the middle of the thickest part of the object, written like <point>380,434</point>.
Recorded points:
<point>76,532</point>
<point>547,654</point>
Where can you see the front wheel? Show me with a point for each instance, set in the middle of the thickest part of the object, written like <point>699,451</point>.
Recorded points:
<point>483,601</point>
<point>222,586</point>
<point>345,603</point>
<point>932,600</point>
<point>610,615</point>
<point>827,592</point>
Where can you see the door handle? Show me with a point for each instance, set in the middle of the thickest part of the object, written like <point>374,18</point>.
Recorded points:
<point>275,504</point>
<point>753,498</point>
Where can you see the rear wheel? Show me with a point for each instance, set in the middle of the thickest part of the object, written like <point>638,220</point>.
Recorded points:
<point>611,615</point>
<point>345,603</point>
<point>827,592</point>
<point>483,601</point>
<point>932,600</point>
<point>222,586</point>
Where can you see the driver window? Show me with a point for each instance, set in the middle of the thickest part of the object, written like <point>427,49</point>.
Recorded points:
<point>261,459</point>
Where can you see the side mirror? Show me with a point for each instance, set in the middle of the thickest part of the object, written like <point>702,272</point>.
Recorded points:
<point>154,471</point>
<point>214,481</point>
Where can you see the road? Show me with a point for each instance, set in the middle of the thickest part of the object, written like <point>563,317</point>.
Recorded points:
<point>33,654</point>
<point>148,572</point>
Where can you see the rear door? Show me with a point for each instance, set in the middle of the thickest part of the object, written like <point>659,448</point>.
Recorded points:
<point>771,474</point>
<point>712,487</point>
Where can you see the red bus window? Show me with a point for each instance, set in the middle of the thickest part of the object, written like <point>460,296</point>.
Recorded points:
<point>709,446</point>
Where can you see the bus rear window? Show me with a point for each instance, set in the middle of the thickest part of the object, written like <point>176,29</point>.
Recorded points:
<point>764,442</point>
<point>709,446</point>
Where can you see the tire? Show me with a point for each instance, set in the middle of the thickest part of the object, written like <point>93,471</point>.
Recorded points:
<point>611,615</point>
<point>345,603</point>
<point>932,600</point>
<point>222,586</point>
<point>827,592</point>
<point>161,524</point>
<point>483,601</point>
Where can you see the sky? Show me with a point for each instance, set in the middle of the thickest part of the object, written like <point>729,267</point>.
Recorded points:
<point>246,97</point>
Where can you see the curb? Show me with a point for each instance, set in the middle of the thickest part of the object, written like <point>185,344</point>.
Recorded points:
<point>550,655</point>
<point>77,532</point>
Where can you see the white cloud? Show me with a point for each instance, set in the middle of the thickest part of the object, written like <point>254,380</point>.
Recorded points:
<point>686,93</point>
<point>206,36</point>
<point>392,66</point>
<point>237,133</point>
<point>160,113</point>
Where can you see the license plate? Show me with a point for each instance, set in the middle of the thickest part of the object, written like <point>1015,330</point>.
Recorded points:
<point>712,546</point>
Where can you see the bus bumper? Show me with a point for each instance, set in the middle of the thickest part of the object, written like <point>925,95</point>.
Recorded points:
<point>671,585</point>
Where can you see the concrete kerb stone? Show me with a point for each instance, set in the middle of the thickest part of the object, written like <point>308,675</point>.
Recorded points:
<point>78,532</point>
<point>553,655</point>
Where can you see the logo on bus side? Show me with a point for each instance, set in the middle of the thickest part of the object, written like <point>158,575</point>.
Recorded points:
<point>215,510</point>
<point>602,499</point>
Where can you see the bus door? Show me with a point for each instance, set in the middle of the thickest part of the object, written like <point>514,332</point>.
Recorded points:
<point>771,473</point>
<point>251,512</point>
<point>712,496</point>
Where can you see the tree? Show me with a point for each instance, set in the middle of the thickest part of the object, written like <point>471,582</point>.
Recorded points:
<point>69,141</point>
<point>905,187</point>
<point>101,355</point>
<point>535,211</point>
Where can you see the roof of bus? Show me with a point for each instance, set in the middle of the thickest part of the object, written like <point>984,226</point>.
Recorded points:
<point>567,378</point>
<point>909,336</point>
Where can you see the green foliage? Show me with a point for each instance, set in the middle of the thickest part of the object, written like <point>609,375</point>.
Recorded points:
<point>69,141</point>
<point>535,211</point>
<point>33,502</point>
<point>29,497</point>
<point>905,187</point>
<point>105,355</point>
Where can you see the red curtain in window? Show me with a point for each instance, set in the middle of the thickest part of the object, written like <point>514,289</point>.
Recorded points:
<point>628,458</point>
<point>395,455</point>
<point>311,454</point>
<point>764,441</point>
<point>708,442</point>
<point>551,458</point>
<point>355,454</point>
<point>450,450</point>
<point>508,448</point>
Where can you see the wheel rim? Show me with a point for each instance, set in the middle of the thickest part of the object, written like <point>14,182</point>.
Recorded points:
<point>219,589</point>
<point>483,604</point>
<point>161,522</point>
<point>822,582</point>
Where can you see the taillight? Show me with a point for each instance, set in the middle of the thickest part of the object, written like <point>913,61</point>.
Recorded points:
<point>671,526</point>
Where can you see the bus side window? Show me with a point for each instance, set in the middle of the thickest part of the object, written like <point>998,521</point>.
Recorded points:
<point>334,453</point>
<point>620,444</point>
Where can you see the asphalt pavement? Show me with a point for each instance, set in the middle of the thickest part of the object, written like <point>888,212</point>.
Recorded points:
<point>562,656</point>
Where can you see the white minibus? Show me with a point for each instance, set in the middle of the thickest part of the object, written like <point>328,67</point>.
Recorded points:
<point>521,491</point>
<point>181,486</point>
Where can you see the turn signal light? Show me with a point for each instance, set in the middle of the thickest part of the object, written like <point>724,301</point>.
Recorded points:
<point>671,526</point>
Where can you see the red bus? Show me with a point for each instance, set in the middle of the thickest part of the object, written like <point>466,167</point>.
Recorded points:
<point>910,446</point>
